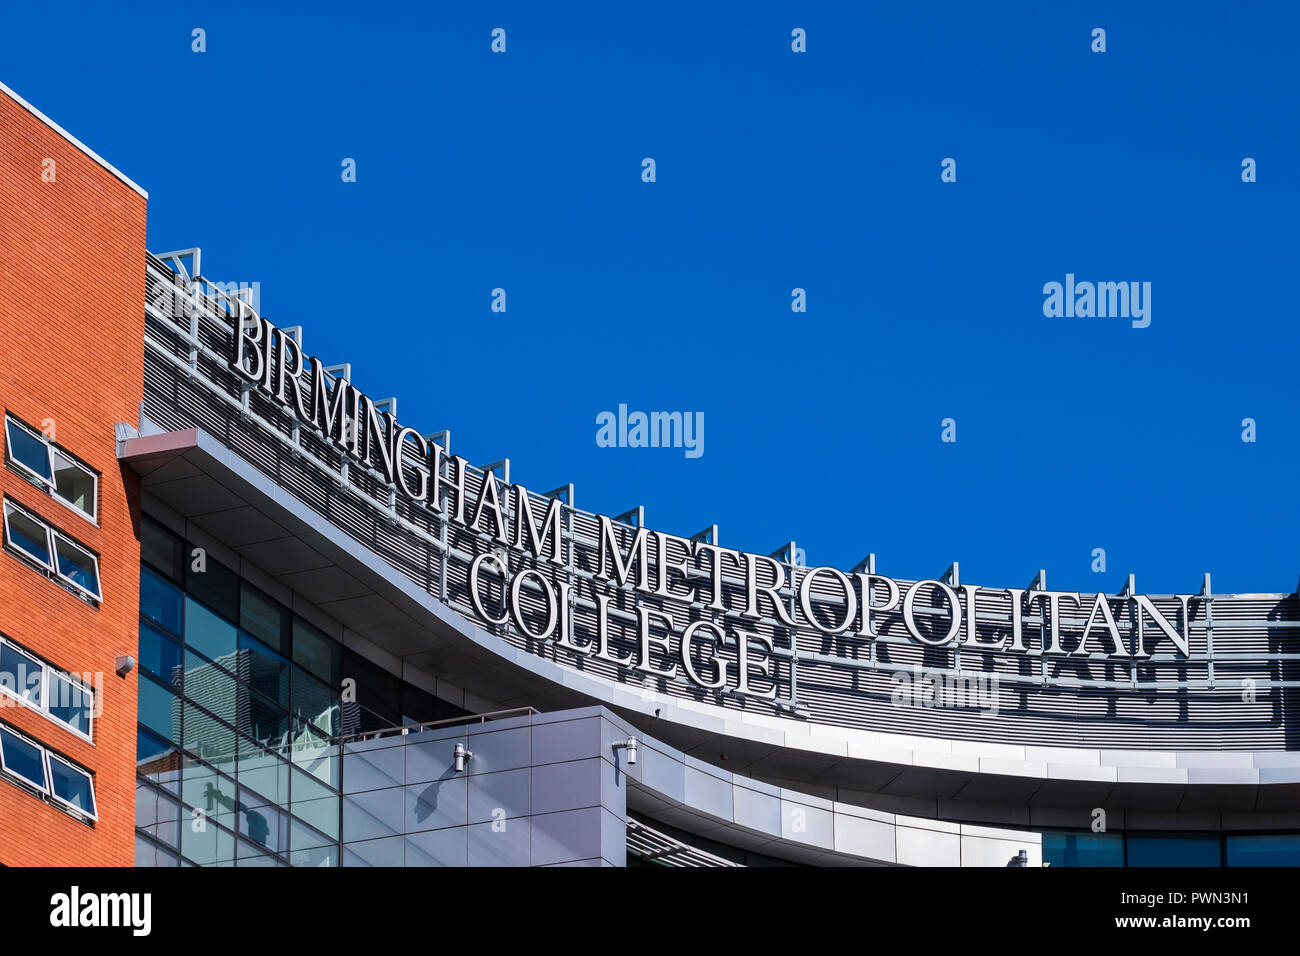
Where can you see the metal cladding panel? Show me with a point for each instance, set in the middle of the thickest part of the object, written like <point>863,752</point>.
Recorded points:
<point>847,679</point>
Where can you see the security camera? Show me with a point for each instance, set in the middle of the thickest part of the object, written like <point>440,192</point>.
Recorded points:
<point>460,757</point>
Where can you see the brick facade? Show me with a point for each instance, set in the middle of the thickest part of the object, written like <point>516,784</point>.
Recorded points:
<point>72,257</point>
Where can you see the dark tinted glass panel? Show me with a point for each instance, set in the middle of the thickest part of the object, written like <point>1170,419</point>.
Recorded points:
<point>211,635</point>
<point>1083,848</point>
<point>159,709</point>
<point>264,618</point>
<point>314,703</point>
<point>28,449</point>
<point>22,758</point>
<point>159,655</point>
<point>378,691</point>
<point>26,535</point>
<point>76,564</point>
<point>418,706</point>
<point>1280,849</point>
<point>20,674</point>
<point>151,749</point>
<point>265,670</point>
<point>72,786</point>
<point>162,549</point>
<point>1184,849</point>
<point>212,688</point>
<point>160,601</point>
<point>316,652</point>
<point>267,722</point>
<point>216,586</point>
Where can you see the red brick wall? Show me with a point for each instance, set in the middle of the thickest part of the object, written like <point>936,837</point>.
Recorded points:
<point>72,323</point>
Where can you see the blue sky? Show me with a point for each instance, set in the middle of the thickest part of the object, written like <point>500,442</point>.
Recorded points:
<point>775,170</point>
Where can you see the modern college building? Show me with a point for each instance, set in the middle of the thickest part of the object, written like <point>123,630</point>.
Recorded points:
<point>249,616</point>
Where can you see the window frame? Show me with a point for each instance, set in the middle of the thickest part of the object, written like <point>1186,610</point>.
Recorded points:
<point>47,790</point>
<point>50,485</point>
<point>49,672</point>
<point>52,536</point>
<point>40,666</point>
<point>40,750</point>
<point>93,812</point>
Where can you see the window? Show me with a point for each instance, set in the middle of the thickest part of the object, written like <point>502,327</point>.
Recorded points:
<point>52,774</point>
<point>1278,849</point>
<point>1173,849</point>
<point>22,758</point>
<point>69,702</point>
<point>159,655</point>
<point>51,549</point>
<point>56,694</point>
<point>1082,848</point>
<point>160,601</point>
<point>49,466</point>
<point>162,549</point>
<point>21,675</point>
<point>71,786</point>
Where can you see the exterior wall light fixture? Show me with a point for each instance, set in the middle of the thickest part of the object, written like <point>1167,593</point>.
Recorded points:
<point>630,746</point>
<point>460,757</point>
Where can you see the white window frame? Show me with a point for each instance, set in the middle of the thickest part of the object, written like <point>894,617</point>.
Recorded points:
<point>49,673</point>
<point>46,563</point>
<point>14,773</point>
<point>52,536</point>
<point>47,757</point>
<point>40,667</point>
<point>93,812</point>
<point>49,484</point>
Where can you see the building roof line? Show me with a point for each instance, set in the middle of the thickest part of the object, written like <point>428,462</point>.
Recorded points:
<point>72,139</point>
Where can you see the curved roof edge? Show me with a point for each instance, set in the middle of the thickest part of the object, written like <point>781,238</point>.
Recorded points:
<point>872,755</point>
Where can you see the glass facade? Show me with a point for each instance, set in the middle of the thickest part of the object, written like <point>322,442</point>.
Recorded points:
<point>240,719</point>
<point>247,753</point>
<point>1185,849</point>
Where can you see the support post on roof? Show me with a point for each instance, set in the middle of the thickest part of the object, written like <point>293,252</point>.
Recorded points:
<point>787,553</point>
<point>952,578</point>
<point>707,535</point>
<point>1039,583</point>
<point>500,468</point>
<point>867,566</point>
<point>634,517</point>
<point>1134,623</point>
<point>1207,596</point>
<point>340,373</point>
<point>564,493</point>
<point>442,438</point>
<point>175,260</point>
